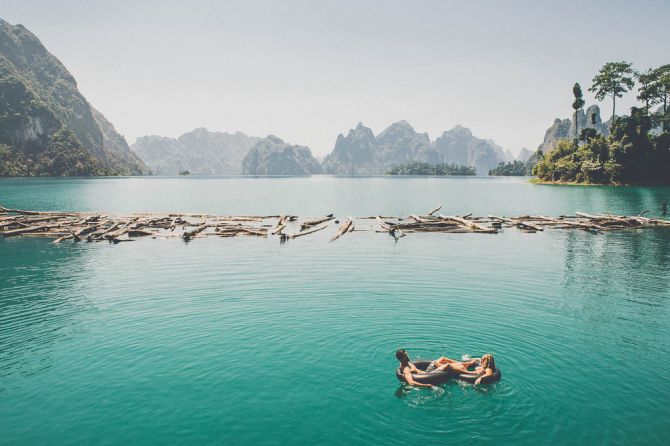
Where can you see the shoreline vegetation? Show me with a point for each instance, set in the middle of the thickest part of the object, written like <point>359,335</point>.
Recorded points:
<point>637,150</point>
<point>98,227</point>
<point>426,169</point>
<point>514,168</point>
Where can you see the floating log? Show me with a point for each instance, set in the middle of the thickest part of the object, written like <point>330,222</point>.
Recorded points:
<point>188,235</point>
<point>27,230</point>
<point>62,226</point>
<point>385,225</point>
<point>419,219</point>
<point>309,223</point>
<point>525,225</point>
<point>471,224</point>
<point>434,210</point>
<point>64,237</point>
<point>307,232</point>
<point>344,228</point>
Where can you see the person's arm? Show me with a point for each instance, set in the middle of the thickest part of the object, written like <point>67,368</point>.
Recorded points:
<point>487,372</point>
<point>410,380</point>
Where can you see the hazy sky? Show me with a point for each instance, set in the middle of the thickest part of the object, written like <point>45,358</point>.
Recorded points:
<point>308,70</point>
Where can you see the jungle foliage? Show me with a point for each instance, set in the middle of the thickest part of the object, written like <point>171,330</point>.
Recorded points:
<point>441,169</point>
<point>637,151</point>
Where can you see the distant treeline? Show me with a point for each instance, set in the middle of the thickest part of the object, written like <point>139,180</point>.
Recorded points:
<point>514,168</point>
<point>441,169</point>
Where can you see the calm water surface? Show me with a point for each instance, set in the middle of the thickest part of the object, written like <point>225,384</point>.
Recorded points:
<point>246,341</point>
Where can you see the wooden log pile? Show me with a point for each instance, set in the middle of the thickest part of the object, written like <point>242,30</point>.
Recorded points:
<point>97,227</point>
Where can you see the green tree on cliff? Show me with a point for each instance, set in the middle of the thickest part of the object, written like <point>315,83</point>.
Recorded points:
<point>577,105</point>
<point>614,79</point>
<point>647,89</point>
<point>655,89</point>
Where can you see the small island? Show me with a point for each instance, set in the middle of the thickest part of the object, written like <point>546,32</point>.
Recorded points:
<point>427,169</point>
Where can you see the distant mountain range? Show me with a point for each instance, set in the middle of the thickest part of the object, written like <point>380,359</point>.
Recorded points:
<point>199,152</point>
<point>48,128</point>
<point>46,125</point>
<point>361,153</point>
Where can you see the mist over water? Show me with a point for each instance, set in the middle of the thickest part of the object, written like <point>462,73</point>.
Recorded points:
<point>246,341</point>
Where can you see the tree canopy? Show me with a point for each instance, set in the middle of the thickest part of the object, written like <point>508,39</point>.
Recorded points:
<point>614,79</point>
<point>441,169</point>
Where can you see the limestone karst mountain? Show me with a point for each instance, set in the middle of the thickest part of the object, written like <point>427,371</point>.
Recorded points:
<point>272,156</point>
<point>460,146</point>
<point>199,152</point>
<point>565,128</point>
<point>354,154</point>
<point>363,153</point>
<point>524,154</point>
<point>399,143</point>
<point>46,125</point>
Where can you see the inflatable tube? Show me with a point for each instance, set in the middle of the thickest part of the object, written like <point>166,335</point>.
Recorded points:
<point>487,380</point>
<point>433,378</point>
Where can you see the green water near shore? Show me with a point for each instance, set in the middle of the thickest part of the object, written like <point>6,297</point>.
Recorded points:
<point>246,341</point>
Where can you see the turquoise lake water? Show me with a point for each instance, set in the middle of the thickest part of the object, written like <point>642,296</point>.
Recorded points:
<point>246,341</point>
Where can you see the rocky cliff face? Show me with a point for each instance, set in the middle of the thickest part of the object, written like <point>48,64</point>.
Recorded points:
<point>524,154</point>
<point>460,146</point>
<point>400,143</point>
<point>565,128</point>
<point>354,154</point>
<point>361,153</point>
<point>272,156</point>
<point>116,149</point>
<point>39,97</point>
<point>200,152</point>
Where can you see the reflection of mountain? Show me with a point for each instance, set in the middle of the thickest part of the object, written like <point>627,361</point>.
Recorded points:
<point>40,302</point>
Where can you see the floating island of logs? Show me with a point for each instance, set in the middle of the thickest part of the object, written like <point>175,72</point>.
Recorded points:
<point>96,227</point>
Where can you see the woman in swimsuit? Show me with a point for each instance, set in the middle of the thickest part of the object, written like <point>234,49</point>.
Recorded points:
<point>485,368</point>
<point>407,368</point>
<point>443,363</point>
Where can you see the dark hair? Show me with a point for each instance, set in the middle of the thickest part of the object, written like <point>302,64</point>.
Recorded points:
<point>402,356</point>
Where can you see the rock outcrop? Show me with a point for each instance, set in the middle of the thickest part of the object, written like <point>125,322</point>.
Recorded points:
<point>565,128</point>
<point>116,149</point>
<point>272,156</point>
<point>38,98</point>
<point>399,143</point>
<point>199,152</point>
<point>361,153</point>
<point>460,146</point>
<point>354,154</point>
<point>524,154</point>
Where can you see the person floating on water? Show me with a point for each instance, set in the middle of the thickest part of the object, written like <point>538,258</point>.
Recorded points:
<point>443,364</point>
<point>407,368</point>
<point>486,367</point>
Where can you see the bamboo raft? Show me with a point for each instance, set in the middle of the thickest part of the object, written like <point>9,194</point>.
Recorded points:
<point>96,227</point>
